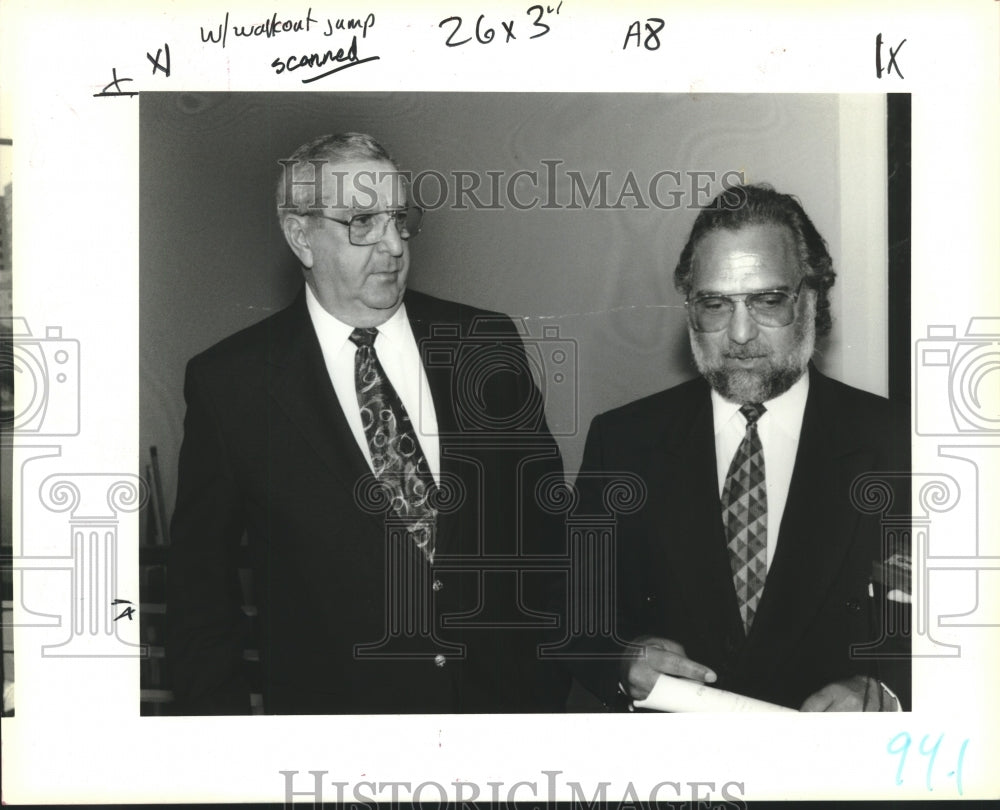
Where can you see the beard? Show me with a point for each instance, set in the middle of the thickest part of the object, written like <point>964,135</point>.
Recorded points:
<point>778,371</point>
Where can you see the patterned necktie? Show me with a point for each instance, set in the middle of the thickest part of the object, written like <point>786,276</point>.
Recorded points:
<point>397,459</point>
<point>744,513</point>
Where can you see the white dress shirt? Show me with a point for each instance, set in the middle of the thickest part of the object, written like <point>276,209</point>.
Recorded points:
<point>779,430</point>
<point>398,353</point>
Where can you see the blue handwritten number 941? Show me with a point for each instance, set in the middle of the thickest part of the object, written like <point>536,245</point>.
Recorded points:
<point>900,744</point>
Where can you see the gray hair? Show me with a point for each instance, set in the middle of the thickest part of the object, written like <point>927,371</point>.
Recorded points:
<point>299,178</point>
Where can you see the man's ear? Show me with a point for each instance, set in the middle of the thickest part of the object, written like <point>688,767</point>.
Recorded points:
<point>297,235</point>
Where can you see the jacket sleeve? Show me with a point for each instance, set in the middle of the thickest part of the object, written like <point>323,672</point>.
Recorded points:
<point>206,626</point>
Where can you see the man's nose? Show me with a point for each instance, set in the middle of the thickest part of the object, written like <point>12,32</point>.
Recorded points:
<point>391,241</point>
<point>742,327</point>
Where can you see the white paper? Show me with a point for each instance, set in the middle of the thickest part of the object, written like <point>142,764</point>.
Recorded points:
<point>671,694</point>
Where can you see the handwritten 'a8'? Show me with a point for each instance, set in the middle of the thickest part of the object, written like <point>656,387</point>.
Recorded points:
<point>900,744</point>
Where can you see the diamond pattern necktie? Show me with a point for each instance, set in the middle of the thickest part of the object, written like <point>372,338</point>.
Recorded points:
<point>397,460</point>
<point>744,513</point>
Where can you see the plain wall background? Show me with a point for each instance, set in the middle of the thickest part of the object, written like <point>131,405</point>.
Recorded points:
<point>212,259</point>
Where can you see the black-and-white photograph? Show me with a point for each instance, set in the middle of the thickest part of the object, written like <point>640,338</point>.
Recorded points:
<point>519,403</point>
<point>561,402</point>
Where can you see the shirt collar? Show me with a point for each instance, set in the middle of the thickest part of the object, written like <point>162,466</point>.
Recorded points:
<point>783,412</point>
<point>333,332</point>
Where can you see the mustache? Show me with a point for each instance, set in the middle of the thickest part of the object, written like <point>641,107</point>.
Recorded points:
<point>745,352</point>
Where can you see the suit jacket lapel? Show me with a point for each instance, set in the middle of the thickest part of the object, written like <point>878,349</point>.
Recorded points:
<point>816,528</point>
<point>686,525</point>
<point>300,384</point>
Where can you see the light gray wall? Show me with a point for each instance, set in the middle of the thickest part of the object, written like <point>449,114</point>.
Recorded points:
<point>213,259</point>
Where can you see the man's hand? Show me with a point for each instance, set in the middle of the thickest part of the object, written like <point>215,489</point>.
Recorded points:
<point>857,694</point>
<point>656,655</point>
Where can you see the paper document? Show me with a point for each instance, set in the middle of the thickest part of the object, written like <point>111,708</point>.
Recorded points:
<point>682,695</point>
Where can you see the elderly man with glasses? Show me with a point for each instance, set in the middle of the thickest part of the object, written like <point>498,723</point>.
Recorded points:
<point>361,453</point>
<point>749,567</point>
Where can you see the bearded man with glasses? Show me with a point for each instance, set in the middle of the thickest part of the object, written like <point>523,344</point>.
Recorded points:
<point>359,452</point>
<point>749,567</point>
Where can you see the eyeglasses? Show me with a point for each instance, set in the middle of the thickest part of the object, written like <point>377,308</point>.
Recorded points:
<point>369,228</point>
<point>712,313</point>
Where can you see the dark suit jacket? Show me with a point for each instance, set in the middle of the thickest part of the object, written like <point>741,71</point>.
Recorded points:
<point>268,456</point>
<point>674,578</point>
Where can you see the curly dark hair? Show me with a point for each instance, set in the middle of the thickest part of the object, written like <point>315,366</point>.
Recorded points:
<point>760,204</point>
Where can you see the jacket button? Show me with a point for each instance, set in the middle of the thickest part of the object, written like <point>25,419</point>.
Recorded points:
<point>437,585</point>
<point>439,660</point>
<point>853,605</point>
